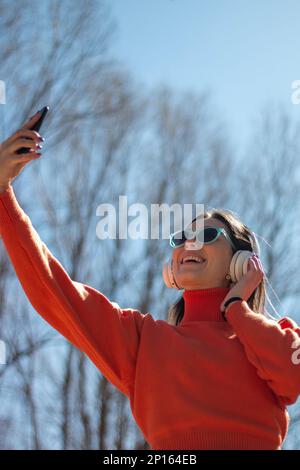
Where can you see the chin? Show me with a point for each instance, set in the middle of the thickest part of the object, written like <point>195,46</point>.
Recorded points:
<point>189,280</point>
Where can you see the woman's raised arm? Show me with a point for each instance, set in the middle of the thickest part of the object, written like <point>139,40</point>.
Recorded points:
<point>108,334</point>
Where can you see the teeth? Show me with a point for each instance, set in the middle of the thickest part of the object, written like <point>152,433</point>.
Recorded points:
<point>196,258</point>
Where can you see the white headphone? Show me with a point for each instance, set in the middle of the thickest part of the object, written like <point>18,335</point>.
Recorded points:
<point>238,266</point>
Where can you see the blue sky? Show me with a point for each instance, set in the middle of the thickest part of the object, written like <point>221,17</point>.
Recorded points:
<point>244,52</point>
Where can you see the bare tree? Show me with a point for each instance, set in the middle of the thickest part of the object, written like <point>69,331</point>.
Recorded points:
<point>264,195</point>
<point>105,139</point>
<point>76,46</point>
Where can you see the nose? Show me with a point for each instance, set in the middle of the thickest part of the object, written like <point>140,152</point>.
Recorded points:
<point>193,244</point>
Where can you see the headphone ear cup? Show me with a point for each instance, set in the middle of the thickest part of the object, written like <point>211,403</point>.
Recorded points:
<point>166,272</point>
<point>168,277</point>
<point>239,264</point>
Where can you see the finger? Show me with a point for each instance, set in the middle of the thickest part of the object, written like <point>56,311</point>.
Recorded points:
<point>251,264</point>
<point>261,266</point>
<point>30,133</point>
<point>24,160</point>
<point>256,259</point>
<point>19,143</point>
<point>24,157</point>
<point>258,269</point>
<point>31,121</point>
<point>25,133</point>
<point>259,263</point>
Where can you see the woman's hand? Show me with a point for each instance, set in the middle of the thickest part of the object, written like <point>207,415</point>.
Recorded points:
<point>248,283</point>
<point>12,163</point>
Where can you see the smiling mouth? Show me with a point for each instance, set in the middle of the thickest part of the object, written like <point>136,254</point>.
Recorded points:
<point>193,260</point>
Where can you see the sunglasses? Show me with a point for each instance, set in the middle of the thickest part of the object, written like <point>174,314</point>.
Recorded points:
<point>207,235</point>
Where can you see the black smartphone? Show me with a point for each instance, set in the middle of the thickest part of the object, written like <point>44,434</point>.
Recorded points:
<point>36,127</point>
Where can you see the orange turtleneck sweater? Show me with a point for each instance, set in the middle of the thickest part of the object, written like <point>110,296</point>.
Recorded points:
<point>204,384</point>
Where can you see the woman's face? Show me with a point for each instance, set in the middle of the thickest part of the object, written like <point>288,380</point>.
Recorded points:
<point>210,273</point>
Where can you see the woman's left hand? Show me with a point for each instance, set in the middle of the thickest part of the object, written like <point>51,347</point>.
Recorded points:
<point>248,283</point>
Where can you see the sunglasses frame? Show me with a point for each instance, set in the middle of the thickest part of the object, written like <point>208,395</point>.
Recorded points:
<point>220,230</point>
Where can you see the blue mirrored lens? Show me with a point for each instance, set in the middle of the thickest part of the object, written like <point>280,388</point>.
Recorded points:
<point>177,238</point>
<point>210,233</point>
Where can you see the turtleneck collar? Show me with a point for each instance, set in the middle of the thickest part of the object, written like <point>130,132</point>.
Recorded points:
<point>203,304</point>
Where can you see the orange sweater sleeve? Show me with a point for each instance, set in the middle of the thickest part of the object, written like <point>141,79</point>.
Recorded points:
<point>273,347</point>
<point>98,327</point>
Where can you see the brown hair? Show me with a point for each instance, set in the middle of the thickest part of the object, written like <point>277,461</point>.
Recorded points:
<point>243,239</point>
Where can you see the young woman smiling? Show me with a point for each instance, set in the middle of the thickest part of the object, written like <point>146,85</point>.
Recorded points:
<point>217,374</point>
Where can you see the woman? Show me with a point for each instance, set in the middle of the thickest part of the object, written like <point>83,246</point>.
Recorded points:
<point>202,380</point>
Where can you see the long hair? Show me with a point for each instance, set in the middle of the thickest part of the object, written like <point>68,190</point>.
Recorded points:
<point>242,239</point>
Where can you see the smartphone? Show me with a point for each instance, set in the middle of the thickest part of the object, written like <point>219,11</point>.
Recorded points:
<point>36,127</point>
